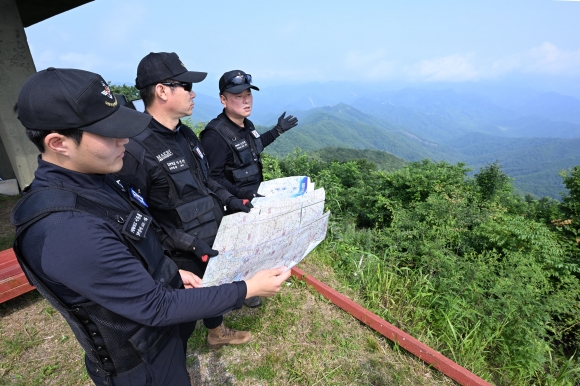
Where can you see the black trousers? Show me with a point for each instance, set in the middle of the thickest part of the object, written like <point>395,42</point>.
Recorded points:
<point>167,367</point>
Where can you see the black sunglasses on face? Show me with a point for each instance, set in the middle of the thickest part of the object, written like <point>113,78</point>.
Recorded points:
<point>186,86</point>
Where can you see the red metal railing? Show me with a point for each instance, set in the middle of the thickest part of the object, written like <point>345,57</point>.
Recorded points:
<point>420,350</point>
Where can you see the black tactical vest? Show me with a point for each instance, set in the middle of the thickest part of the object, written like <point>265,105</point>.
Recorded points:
<point>113,343</point>
<point>190,205</point>
<point>247,168</point>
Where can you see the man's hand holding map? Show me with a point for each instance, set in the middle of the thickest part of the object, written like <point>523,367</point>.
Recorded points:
<point>281,229</point>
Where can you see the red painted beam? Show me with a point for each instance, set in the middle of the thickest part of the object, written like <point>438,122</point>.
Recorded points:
<point>420,350</point>
<point>12,280</point>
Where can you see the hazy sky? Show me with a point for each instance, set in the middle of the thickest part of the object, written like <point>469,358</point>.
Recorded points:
<point>528,42</point>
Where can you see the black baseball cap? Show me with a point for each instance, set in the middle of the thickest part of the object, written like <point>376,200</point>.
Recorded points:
<point>57,99</point>
<point>160,66</point>
<point>226,83</point>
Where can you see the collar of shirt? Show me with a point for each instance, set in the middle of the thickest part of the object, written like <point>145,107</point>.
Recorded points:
<point>233,125</point>
<point>51,174</point>
<point>160,129</point>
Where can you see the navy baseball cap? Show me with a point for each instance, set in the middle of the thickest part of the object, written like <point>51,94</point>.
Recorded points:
<point>161,66</point>
<point>57,99</point>
<point>236,81</point>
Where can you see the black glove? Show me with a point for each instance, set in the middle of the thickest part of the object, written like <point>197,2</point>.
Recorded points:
<point>247,194</point>
<point>238,205</point>
<point>202,250</point>
<point>285,124</point>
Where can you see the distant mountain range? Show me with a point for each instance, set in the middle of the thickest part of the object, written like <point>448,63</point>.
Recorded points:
<point>534,163</point>
<point>533,135</point>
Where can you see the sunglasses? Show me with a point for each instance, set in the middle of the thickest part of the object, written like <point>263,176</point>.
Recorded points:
<point>241,79</point>
<point>186,86</point>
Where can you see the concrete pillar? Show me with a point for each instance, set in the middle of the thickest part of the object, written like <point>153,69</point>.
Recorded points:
<point>16,66</point>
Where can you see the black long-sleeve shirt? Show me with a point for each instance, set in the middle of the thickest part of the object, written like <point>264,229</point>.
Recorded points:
<point>84,258</point>
<point>141,170</point>
<point>219,153</point>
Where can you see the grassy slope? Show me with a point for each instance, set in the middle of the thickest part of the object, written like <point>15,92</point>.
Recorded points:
<point>299,338</point>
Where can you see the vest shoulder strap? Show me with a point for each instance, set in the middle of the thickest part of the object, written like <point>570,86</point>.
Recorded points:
<point>41,202</point>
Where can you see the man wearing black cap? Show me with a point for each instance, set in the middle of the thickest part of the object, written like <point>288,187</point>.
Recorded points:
<point>166,166</point>
<point>233,145</point>
<point>231,142</point>
<point>89,246</point>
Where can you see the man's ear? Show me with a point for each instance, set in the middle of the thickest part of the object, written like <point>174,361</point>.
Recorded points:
<point>161,91</point>
<point>58,143</point>
<point>223,99</point>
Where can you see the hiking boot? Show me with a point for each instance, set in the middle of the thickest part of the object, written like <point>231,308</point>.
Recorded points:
<point>253,302</point>
<point>222,336</point>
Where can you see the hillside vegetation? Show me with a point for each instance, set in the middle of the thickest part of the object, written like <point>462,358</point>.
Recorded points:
<point>462,263</point>
<point>533,163</point>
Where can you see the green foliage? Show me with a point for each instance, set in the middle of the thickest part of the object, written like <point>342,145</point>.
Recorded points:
<point>462,263</point>
<point>130,92</point>
<point>196,127</point>
<point>384,161</point>
<point>270,167</point>
<point>491,180</point>
<point>571,201</point>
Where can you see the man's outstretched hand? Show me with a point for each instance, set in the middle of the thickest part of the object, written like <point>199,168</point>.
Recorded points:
<point>267,282</point>
<point>285,124</point>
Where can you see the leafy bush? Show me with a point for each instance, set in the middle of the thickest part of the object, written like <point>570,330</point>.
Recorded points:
<point>486,277</point>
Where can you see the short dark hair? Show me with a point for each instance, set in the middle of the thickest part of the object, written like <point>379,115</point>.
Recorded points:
<point>37,136</point>
<point>148,92</point>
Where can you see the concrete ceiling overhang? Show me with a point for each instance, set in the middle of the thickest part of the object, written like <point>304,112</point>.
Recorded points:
<point>34,11</point>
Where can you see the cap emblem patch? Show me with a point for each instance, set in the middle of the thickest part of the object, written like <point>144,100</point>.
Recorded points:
<point>107,91</point>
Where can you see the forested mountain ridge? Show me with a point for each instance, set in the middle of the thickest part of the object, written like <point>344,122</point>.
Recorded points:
<point>534,163</point>
<point>345,126</point>
<point>383,160</point>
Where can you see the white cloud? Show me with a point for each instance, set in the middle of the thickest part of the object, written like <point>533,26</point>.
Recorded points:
<point>544,59</point>
<point>373,65</point>
<point>453,68</point>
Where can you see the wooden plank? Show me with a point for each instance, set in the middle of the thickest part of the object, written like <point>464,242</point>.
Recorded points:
<point>7,255</point>
<point>16,291</point>
<point>13,282</point>
<point>420,350</point>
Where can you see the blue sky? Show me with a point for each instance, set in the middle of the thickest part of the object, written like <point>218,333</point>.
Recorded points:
<point>531,43</point>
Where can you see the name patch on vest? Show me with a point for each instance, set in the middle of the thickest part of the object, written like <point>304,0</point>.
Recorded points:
<point>136,225</point>
<point>166,154</point>
<point>255,134</point>
<point>241,145</point>
<point>176,165</point>
<point>198,151</point>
